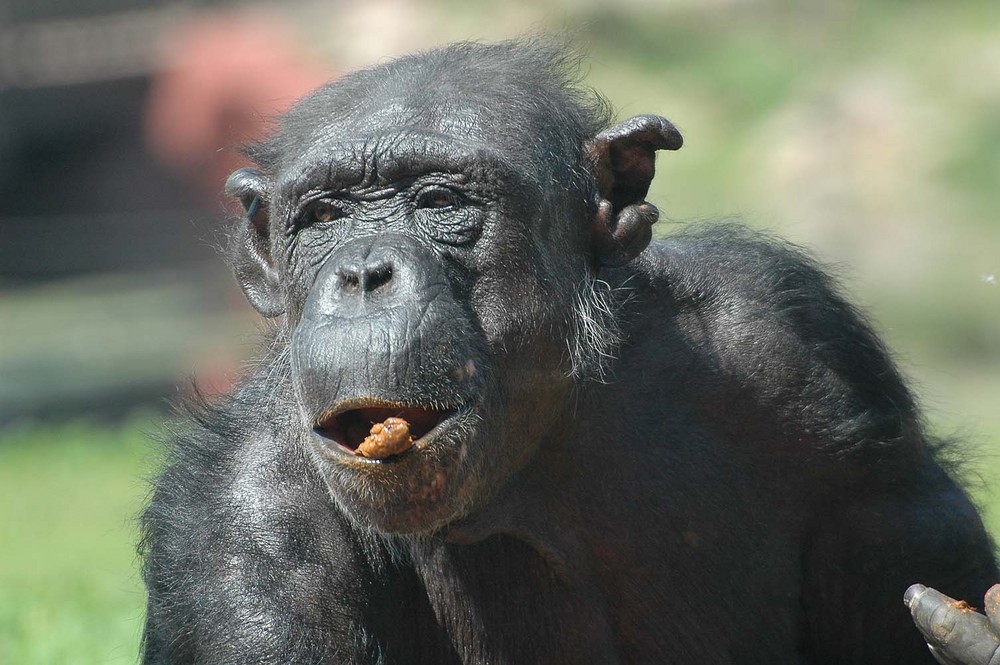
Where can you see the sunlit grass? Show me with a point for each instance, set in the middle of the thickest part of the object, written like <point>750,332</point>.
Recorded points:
<point>69,586</point>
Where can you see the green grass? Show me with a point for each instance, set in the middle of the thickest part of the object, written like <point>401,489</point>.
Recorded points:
<point>69,587</point>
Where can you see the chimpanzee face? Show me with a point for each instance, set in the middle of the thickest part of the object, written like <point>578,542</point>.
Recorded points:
<point>428,255</point>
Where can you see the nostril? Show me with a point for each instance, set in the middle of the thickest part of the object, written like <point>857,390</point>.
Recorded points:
<point>378,277</point>
<point>349,280</point>
<point>358,278</point>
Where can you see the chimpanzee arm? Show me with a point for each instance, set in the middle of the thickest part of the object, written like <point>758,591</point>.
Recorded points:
<point>245,553</point>
<point>955,633</point>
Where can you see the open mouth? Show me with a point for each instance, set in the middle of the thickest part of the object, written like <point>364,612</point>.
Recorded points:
<point>379,431</point>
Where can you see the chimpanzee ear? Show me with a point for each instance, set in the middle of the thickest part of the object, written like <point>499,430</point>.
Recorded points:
<point>624,159</point>
<point>251,247</point>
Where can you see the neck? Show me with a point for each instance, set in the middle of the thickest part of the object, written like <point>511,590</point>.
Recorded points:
<point>514,580</point>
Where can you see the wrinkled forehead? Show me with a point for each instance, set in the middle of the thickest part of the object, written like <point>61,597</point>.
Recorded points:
<point>462,124</point>
<point>391,154</point>
<point>382,139</point>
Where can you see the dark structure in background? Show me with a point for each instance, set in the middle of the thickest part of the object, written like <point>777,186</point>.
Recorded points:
<point>107,237</point>
<point>79,191</point>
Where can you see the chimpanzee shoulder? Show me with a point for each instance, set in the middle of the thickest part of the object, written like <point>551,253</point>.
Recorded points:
<point>771,325</point>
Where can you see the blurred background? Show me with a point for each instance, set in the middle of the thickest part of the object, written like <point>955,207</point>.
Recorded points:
<point>866,131</point>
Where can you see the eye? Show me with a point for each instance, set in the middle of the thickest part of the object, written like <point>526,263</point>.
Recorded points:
<point>438,198</point>
<point>323,212</point>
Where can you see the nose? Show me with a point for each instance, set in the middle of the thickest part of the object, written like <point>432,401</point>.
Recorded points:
<point>373,274</point>
<point>365,275</point>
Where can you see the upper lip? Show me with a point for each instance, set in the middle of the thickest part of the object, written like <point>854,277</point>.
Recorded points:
<point>346,405</point>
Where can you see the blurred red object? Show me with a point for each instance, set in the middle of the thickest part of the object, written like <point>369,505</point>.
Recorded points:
<point>222,77</point>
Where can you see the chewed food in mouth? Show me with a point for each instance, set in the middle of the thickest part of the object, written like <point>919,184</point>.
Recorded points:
<point>385,439</point>
<point>379,432</point>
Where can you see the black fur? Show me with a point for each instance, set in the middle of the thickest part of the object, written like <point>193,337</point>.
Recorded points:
<point>704,455</point>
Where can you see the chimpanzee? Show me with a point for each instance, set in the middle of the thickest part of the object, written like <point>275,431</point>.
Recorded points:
<point>495,423</point>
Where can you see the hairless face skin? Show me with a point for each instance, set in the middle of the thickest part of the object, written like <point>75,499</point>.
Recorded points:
<point>497,423</point>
